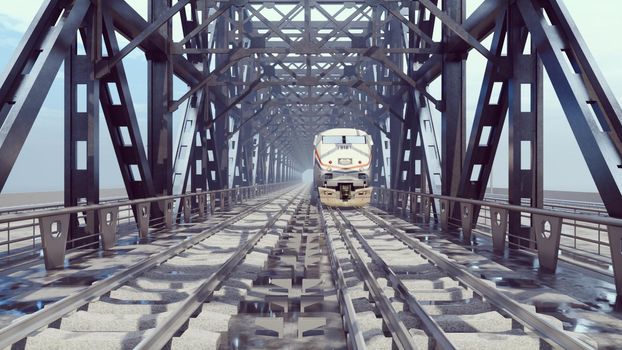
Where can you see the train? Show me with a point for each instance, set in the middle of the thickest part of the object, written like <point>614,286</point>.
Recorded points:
<point>342,167</point>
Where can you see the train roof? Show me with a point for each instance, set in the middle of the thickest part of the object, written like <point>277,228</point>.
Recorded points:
<point>342,131</point>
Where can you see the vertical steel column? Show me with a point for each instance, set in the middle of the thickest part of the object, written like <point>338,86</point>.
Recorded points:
<point>262,155</point>
<point>525,122</point>
<point>241,177</point>
<point>377,173</point>
<point>395,38</point>
<point>160,121</point>
<point>279,166</point>
<point>82,128</point>
<point>255,159</point>
<point>453,134</point>
<point>198,155</point>
<point>214,178</point>
<point>271,165</point>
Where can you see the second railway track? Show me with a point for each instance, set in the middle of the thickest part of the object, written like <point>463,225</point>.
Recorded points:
<point>424,300</point>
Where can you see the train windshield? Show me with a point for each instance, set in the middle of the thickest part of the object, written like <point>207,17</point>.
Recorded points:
<point>357,140</point>
<point>332,139</point>
<point>351,139</point>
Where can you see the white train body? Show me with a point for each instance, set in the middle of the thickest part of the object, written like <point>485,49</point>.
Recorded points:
<point>342,167</point>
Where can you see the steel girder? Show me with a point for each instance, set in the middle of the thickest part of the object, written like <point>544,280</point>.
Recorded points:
<point>160,119</point>
<point>593,112</point>
<point>453,124</point>
<point>525,126</point>
<point>261,69</point>
<point>488,123</point>
<point>31,73</point>
<point>120,115</point>
<point>82,129</point>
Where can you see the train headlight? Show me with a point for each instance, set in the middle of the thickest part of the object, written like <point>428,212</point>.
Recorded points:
<point>362,176</point>
<point>328,176</point>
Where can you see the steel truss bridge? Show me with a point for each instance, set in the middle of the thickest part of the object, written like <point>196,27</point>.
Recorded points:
<point>263,77</point>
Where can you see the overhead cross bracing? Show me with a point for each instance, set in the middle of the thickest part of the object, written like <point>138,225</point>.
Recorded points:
<point>264,77</point>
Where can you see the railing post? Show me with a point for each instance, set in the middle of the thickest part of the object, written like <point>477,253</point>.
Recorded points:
<point>615,244</point>
<point>499,225</point>
<point>548,240</point>
<point>54,231</point>
<point>394,200</point>
<point>202,201</point>
<point>108,223</point>
<point>143,213</point>
<point>222,201</point>
<point>426,209</point>
<point>404,203</point>
<point>444,214</point>
<point>187,208</point>
<point>167,204</point>
<point>212,203</point>
<point>466,211</point>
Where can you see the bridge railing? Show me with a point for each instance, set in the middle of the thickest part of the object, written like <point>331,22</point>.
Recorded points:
<point>27,232</point>
<point>584,236</point>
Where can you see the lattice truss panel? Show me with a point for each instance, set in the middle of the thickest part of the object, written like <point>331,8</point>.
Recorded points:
<point>264,77</point>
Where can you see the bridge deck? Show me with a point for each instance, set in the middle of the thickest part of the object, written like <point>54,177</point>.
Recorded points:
<point>562,297</point>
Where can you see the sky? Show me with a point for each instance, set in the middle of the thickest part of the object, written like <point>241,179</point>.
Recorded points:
<point>40,166</point>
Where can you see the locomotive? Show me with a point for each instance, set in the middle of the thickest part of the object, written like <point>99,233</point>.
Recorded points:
<point>342,167</point>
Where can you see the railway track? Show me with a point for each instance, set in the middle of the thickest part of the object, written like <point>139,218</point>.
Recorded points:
<point>289,274</point>
<point>424,299</point>
<point>141,305</point>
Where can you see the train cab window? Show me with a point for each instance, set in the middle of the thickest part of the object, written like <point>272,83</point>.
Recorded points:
<point>356,140</point>
<point>352,139</point>
<point>332,139</point>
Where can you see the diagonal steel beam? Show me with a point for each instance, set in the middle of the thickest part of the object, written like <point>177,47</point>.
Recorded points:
<point>105,66</point>
<point>28,93</point>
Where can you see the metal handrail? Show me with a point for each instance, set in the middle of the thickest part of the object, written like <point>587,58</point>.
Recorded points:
<point>596,219</point>
<point>549,252</point>
<point>30,207</point>
<point>24,326</point>
<point>32,217</point>
<point>93,207</point>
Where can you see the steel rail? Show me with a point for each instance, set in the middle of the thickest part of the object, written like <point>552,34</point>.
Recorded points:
<point>401,337</point>
<point>166,330</point>
<point>345,301</point>
<point>23,327</point>
<point>544,329</point>
<point>434,329</point>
